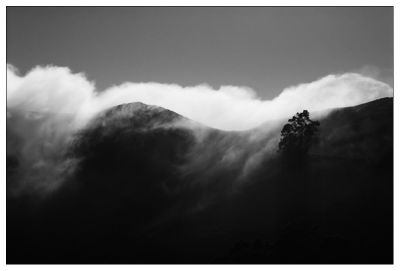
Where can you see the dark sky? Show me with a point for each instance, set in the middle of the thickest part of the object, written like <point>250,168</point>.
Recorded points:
<point>265,48</point>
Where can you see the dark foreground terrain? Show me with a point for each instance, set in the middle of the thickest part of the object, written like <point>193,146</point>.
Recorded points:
<point>153,187</point>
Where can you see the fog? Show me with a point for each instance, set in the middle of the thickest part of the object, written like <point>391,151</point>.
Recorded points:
<point>60,91</point>
<point>49,104</point>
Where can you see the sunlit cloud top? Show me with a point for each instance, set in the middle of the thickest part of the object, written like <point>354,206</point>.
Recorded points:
<point>59,90</point>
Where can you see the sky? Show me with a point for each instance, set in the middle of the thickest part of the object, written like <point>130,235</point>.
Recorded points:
<point>264,48</point>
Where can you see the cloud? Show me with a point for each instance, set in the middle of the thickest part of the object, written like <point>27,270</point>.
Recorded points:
<point>59,91</point>
<point>380,74</point>
<point>48,105</point>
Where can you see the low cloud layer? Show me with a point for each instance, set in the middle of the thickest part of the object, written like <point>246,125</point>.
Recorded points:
<point>57,90</point>
<point>48,105</point>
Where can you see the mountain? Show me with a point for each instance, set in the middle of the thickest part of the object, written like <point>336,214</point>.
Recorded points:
<point>151,186</point>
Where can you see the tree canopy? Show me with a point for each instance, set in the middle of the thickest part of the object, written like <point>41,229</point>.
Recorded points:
<point>298,134</point>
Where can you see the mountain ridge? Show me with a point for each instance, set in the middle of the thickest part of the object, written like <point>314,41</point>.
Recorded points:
<point>147,190</point>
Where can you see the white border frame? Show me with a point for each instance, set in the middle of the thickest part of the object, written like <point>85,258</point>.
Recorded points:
<point>195,3</point>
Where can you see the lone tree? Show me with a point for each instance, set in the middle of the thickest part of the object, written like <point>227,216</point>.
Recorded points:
<point>298,135</point>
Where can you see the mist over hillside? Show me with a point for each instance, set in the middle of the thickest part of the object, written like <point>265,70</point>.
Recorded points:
<point>199,135</point>
<point>143,184</point>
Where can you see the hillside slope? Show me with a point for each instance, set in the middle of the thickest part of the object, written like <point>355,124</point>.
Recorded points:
<point>154,187</point>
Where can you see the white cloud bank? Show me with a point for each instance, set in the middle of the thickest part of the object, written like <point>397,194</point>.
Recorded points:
<point>57,90</point>
<point>55,103</point>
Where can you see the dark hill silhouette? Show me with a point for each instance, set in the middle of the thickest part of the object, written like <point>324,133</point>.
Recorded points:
<point>154,187</point>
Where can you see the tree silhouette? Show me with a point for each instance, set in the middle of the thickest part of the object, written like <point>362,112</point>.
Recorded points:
<point>298,135</point>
